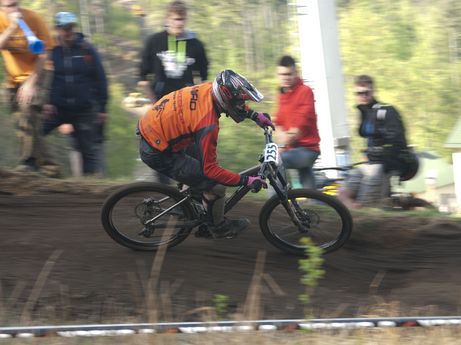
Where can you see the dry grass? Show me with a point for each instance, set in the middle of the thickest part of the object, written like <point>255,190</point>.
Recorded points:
<point>155,303</point>
<point>374,336</point>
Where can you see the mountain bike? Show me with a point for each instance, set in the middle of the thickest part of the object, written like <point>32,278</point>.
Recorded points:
<point>147,215</point>
<point>395,200</point>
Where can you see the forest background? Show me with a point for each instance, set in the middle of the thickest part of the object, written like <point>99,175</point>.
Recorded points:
<point>411,47</point>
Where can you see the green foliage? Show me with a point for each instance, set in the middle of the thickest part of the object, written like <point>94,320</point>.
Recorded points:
<point>122,143</point>
<point>311,269</point>
<point>240,144</point>
<point>221,304</point>
<point>121,23</point>
<point>406,47</point>
<point>241,35</point>
<point>412,48</point>
<point>47,7</point>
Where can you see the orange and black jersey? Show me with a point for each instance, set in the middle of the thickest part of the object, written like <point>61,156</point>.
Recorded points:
<point>185,117</point>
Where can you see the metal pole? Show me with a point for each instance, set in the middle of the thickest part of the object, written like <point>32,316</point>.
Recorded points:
<point>321,69</point>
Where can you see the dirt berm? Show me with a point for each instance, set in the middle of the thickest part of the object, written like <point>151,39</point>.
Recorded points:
<point>57,264</point>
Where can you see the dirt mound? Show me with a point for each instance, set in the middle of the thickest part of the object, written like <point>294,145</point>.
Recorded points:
<point>58,264</point>
<point>20,183</point>
<point>409,260</point>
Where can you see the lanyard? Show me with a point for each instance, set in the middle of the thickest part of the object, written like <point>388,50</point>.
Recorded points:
<point>178,47</point>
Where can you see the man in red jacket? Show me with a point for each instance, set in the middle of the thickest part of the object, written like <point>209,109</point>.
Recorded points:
<point>296,122</point>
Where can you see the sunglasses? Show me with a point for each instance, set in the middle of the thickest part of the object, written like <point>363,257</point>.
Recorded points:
<point>289,74</point>
<point>363,93</point>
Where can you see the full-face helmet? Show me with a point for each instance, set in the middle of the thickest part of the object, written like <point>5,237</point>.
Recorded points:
<point>230,91</point>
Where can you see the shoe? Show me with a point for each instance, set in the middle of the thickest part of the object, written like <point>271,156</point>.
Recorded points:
<point>51,171</point>
<point>229,228</point>
<point>25,168</point>
<point>203,232</point>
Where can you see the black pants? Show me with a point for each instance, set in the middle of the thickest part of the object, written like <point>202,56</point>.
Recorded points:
<point>180,166</point>
<point>85,134</point>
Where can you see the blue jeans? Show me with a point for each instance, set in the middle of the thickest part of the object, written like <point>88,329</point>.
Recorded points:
<point>368,183</point>
<point>302,159</point>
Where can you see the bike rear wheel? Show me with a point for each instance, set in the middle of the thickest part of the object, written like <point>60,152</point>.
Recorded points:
<point>322,218</point>
<point>126,211</point>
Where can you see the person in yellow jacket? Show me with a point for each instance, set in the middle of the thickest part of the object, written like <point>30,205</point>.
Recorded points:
<point>24,82</point>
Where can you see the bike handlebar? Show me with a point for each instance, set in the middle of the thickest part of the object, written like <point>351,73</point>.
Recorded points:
<point>268,134</point>
<point>341,168</point>
<point>256,186</point>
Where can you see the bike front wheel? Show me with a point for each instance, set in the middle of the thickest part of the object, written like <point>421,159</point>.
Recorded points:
<point>127,212</point>
<point>307,213</point>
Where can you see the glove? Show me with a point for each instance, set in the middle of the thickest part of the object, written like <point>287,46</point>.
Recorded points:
<point>255,183</point>
<point>263,120</point>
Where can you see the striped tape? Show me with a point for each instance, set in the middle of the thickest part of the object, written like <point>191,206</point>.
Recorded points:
<point>96,330</point>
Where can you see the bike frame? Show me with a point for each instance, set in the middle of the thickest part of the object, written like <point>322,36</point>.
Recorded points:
<point>268,170</point>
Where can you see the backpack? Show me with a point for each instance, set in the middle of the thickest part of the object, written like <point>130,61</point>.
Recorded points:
<point>406,159</point>
<point>410,163</point>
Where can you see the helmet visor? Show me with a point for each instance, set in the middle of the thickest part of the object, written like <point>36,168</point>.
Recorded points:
<point>248,92</point>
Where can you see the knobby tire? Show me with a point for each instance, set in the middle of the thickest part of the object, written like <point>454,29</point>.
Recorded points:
<point>330,222</point>
<point>122,223</point>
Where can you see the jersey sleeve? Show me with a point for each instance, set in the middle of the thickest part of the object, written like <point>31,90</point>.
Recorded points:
<point>207,139</point>
<point>303,114</point>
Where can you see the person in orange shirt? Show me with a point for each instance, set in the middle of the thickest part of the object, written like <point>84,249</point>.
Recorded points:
<point>179,136</point>
<point>24,71</point>
<point>296,122</point>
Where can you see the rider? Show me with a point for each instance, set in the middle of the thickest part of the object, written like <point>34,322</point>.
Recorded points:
<point>179,137</point>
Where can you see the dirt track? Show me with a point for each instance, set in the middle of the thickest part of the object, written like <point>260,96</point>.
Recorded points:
<point>390,266</point>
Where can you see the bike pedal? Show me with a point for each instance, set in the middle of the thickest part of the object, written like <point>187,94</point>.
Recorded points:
<point>203,232</point>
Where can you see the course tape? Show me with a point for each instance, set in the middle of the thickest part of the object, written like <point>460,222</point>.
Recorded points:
<point>96,330</point>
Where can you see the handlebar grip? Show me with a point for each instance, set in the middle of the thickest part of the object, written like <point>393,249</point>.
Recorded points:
<point>256,186</point>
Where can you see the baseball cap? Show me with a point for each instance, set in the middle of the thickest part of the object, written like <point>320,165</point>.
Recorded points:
<point>63,19</point>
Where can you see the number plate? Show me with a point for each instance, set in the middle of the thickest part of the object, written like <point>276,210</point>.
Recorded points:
<point>271,153</point>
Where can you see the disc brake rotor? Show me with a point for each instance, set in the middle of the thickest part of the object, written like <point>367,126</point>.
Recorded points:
<point>307,219</point>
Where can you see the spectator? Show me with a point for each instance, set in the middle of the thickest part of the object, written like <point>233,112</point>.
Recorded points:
<point>26,79</point>
<point>296,122</point>
<point>78,93</point>
<point>386,151</point>
<point>171,57</point>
